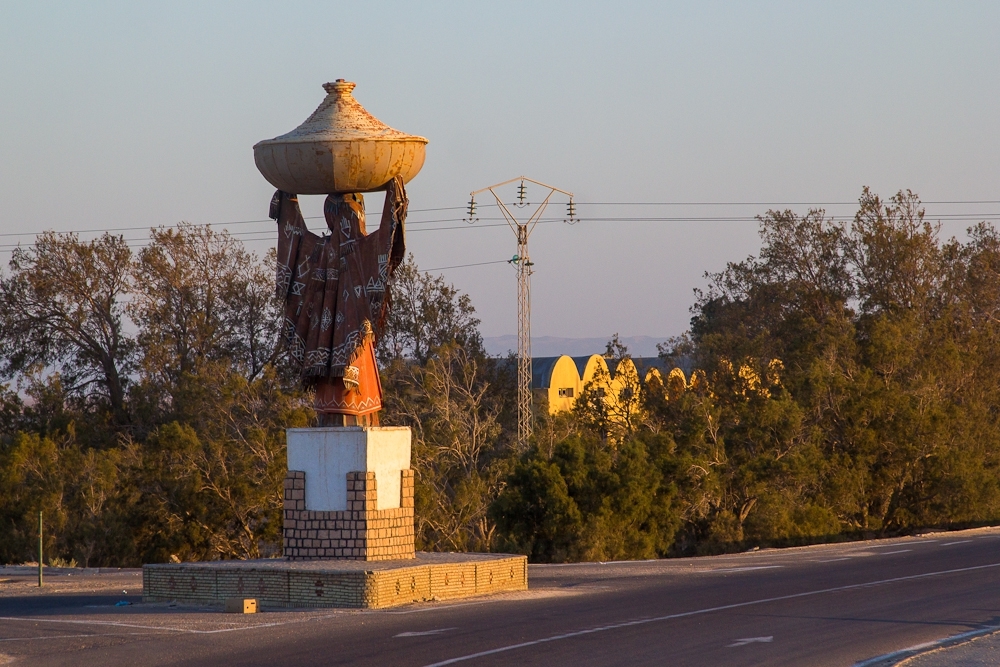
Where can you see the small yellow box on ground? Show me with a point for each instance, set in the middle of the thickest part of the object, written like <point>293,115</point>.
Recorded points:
<point>241,606</point>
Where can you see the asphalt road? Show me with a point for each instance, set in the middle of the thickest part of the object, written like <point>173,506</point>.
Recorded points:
<point>825,605</point>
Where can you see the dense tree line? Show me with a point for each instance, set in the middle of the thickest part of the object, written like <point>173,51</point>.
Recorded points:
<point>146,413</point>
<point>147,399</point>
<point>841,383</point>
<point>847,385</point>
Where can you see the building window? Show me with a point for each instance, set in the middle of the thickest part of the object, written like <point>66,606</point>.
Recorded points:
<point>566,392</point>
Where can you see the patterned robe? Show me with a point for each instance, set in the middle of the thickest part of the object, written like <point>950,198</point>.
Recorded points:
<point>336,293</point>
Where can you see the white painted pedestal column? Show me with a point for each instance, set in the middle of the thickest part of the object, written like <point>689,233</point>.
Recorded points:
<point>326,455</point>
<point>349,493</point>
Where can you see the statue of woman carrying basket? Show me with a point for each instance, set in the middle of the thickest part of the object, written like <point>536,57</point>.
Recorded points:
<point>336,288</point>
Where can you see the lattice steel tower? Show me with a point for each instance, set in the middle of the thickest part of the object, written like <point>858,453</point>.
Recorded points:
<point>522,262</point>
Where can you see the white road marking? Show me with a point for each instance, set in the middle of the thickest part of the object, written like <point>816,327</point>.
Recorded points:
<point>601,562</point>
<point>742,569</point>
<point>752,640</point>
<point>509,596</point>
<point>424,633</point>
<point>863,554</point>
<point>421,610</point>
<point>92,636</point>
<point>948,544</point>
<point>107,623</point>
<point>833,560</point>
<point>707,610</point>
<point>162,628</point>
<point>898,544</point>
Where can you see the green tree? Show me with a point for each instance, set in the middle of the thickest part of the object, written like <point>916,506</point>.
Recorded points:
<point>203,305</point>
<point>426,313</point>
<point>63,308</point>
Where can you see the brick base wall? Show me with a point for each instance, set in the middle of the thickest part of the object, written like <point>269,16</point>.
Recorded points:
<point>298,585</point>
<point>359,533</point>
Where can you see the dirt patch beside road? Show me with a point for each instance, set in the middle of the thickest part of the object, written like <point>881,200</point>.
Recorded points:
<point>22,581</point>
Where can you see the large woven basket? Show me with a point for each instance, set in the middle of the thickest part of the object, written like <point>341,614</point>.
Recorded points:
<point>340,148</point>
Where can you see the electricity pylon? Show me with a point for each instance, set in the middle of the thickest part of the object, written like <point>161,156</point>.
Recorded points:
<point>522,262</point>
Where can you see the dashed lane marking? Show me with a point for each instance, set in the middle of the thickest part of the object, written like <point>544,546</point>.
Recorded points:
<point>861,554</point>
<point>707,610</point>
<point>751,640</point>
<point>425,633</point>
<point>740,569</point>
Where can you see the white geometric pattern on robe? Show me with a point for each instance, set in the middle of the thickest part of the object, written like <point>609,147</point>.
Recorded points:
<point>284,279</point>
<point>317,357</point>
<point>296,345</point>
<point>340,354</point>
<point>350,402</point>
<point>383,268</point>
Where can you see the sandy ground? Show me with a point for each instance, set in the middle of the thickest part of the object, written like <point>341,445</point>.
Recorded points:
<point>22,580</point>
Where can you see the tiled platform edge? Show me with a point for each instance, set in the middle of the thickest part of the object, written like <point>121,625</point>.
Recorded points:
<point>314,584</point>
<point>359,533</point>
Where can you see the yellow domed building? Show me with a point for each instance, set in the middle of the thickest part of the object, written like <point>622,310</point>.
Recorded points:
<point>560,380</point>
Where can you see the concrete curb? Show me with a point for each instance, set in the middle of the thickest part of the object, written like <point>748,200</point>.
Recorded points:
<point>903,656</point>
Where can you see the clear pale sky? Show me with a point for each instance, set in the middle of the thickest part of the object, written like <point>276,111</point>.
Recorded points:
<point>138,114</point>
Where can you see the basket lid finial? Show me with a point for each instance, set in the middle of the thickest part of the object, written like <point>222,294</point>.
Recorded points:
<point>340,88</point>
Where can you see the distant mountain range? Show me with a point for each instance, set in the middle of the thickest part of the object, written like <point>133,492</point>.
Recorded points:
<point>553,346</point>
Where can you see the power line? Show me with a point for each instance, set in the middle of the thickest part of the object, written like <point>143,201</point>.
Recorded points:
<point>766,203</point>
<point>462,266</point>
<point>265,234</point>
<point>712,218</point>
<point>991,216</point>
<point>198,224</point>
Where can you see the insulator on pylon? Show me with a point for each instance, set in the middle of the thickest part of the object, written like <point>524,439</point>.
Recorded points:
<point>521,193</point>
<point>472,209</point>
<point>571,212</point>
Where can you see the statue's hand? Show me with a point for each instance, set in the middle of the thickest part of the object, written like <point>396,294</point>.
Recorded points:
<point>277,202</point>
<point>276,205</point>
<point>397,191</point>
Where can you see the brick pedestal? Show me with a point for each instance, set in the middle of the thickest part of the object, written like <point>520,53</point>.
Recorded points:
<point>278,584</point>
<point>361,532</point>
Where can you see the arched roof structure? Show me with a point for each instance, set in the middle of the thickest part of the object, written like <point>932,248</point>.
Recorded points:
<point>562,379</point>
